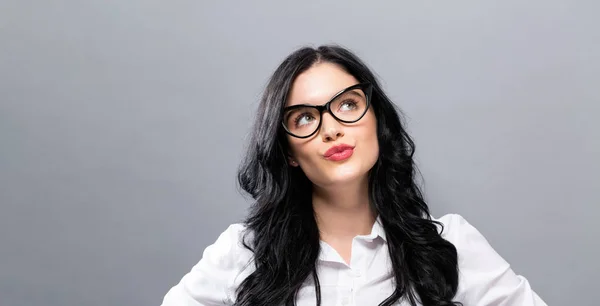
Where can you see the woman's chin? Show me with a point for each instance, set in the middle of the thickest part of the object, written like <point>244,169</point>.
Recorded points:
<point>345,175</point>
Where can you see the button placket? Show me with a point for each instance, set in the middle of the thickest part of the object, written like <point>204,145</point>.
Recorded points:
<point>348,297</point>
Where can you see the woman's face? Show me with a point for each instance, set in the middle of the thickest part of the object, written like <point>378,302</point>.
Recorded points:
<point>316,86</point>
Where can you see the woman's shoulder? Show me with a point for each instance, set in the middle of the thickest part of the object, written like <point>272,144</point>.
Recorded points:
<point>214,279</point>
<point>230,243</point>
<point>232,234</point>
<point>482,268</point>
<point>477,259</point>
<point>450,221</point>
<point>455,228</point>
<point>228,253</point>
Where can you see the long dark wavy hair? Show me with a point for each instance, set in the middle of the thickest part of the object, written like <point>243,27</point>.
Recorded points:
<point>284,235</point>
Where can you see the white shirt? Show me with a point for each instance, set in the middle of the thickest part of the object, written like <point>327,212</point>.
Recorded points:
<point>485,278</point>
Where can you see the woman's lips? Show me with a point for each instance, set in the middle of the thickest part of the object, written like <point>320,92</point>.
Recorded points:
<point>341,154</point>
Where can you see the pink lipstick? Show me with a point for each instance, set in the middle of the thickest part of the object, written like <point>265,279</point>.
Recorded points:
<point>339,152</point>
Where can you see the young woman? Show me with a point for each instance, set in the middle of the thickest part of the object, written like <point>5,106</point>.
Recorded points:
<point>338,218</point>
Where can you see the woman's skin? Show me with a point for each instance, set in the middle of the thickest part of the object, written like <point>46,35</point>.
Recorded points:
<point>340,188</point>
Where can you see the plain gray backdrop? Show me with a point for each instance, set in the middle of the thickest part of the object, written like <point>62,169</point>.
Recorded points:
<point>122,124</point>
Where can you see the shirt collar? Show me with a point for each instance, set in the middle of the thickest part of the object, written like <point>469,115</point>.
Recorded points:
<point>327,253</point>
<point>377,230</point>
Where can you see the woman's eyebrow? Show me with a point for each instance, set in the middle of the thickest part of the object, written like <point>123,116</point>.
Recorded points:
<point>354,92</point>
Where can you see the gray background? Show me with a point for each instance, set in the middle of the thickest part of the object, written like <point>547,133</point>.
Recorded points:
<point>122,124</point>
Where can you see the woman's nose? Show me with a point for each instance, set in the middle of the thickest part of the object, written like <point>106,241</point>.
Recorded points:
<point>331,129</point>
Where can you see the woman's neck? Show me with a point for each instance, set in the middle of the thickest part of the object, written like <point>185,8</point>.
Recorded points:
<point>343,212</point>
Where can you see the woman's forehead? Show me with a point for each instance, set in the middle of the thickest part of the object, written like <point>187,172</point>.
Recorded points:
<point>318,84</point>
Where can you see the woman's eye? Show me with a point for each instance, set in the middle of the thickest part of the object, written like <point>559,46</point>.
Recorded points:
<point>304,119</point>
<point>348,105</point>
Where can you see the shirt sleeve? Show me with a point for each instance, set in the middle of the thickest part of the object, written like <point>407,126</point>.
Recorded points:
<point>485,278</point>
<point>211,280</point>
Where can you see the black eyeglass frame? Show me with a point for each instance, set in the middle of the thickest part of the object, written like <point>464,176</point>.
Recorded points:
<point>367,89</point>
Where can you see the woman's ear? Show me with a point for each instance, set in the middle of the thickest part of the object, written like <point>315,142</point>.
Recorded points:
<point>292,161</point>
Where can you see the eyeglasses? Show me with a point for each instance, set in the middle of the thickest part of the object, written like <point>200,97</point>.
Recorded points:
<point>347,106</point>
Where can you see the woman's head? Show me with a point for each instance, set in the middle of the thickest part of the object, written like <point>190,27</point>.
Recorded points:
<point>313,77</point>
<point>287,157</point>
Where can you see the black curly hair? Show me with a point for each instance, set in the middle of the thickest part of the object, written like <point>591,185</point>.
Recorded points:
<point>285,237</point>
